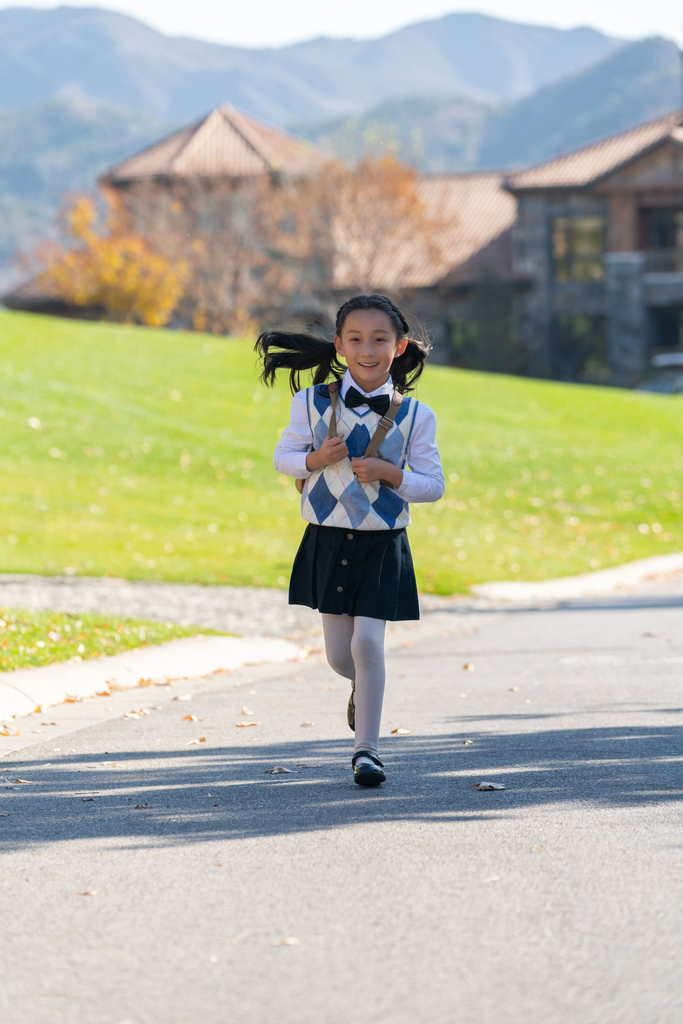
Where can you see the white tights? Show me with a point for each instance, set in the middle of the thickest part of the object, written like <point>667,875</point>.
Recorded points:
<point>355,649</point>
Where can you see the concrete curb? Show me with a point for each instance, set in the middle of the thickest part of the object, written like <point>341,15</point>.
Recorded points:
<point>590,584</point>
<point>21,692</point>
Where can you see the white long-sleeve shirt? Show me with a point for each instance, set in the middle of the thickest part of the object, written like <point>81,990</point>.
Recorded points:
<point>424,483</point>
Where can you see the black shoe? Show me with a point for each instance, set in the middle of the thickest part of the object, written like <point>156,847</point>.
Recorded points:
<point>368,774</point>
<point>351,710</point>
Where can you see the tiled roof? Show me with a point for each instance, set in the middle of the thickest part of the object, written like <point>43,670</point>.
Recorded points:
<point>470,217</point>
<point>585,166</point>
<point>225,143</point>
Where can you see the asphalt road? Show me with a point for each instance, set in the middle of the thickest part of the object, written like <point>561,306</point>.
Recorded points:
<point>224,895</point>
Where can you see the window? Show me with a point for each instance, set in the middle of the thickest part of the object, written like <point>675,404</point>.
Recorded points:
<point>578,245</point>
<point>580,348</point>
<point>661,229</point>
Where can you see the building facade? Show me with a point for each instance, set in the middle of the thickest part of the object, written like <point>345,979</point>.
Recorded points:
<point>598,249</point>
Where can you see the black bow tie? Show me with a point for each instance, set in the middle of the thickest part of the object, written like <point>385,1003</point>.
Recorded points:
<point>379,404</point>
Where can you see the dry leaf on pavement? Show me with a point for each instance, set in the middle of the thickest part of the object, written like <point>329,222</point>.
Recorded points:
<point>279,770</point>
<point>245,725</point>
<point>305,724</point>
<point>87,892</point>
<point>9,730</point>
<point>401,732</point>
<point>185,696</point>
<point>513,689</point>
<point>288,942</point>
<point>190,718</point>
<point>22,780</point>
<point>247,711</point>
<point>200,739</point>
<point>467,743</point>
<point>486,785</point>
<point>468,667</point>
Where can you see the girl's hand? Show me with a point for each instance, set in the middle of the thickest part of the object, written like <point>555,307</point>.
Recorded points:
<point>331,450</point>
<point>367,470</point>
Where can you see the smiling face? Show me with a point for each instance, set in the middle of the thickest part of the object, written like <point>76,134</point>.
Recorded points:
<point>369,343</point>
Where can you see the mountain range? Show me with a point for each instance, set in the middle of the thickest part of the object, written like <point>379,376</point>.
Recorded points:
<point>80,88</point>
<point>116,58</point>
<point>635,83</point>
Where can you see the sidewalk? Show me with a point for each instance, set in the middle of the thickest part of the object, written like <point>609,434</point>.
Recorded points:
<point>21,692</point>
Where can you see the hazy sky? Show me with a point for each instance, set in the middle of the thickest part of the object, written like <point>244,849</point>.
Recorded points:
<point>274,22</point>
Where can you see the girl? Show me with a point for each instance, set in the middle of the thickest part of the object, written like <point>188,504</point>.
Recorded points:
<point>354,562</point>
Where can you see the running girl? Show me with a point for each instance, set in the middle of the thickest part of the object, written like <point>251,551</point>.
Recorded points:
<point>348,445</point>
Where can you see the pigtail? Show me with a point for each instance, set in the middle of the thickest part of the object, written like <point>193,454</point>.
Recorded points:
<point>286,350</point>
<point>406,369</point>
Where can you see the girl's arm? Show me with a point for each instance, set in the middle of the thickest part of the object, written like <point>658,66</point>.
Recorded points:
<point>292,448</point>
<point>426,481</point>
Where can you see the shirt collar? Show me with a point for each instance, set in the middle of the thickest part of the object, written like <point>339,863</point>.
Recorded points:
<point>348,382</point>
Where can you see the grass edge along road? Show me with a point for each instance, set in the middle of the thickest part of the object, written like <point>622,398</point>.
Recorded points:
<point>30,639</point>
<point>147,454</point>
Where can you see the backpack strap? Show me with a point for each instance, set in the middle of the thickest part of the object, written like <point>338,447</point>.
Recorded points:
<point>333,388</point>
<point>385,424</point>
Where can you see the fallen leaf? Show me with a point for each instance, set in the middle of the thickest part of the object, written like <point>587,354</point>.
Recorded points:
<point>486,785</point>
<point>141,807</point>
<point>112,764</point>
<point>70,699</point>
<point>306,724</point>
<point>467,743</point>
<point>190,718</point>
<point>103,693</point>
<point>288,942</point>
<point>50,723</point>
<point>247,711</point>
<point>200,739</point>
<point>245,725</point>
<point>22,780</point>
<point>4,814</point>
<point>279,770</point>
<point>513,689</point>
<point>9,730</point>
<point>468,667</point>
<point>87,799</point>
<point>87,892</point>
<point>401,732</point>
<point>186,696</point>
<point>38,709</point>
<point>131,714</point>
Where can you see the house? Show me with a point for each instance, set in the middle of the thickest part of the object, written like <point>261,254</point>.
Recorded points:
<point>598,239</point>
<point>587,248</point>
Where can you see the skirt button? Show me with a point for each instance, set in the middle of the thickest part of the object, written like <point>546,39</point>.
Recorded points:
<point>339,590</point>
<point>345,561</point>
<point>349,536</point>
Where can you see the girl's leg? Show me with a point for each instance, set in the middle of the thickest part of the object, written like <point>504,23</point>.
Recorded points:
<point>338,630</point>
<point>367,650</point>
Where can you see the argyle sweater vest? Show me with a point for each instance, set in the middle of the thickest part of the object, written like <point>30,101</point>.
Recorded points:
<point>332,496</point>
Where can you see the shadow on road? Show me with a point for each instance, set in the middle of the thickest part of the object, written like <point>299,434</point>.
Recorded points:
<point>224,793</point>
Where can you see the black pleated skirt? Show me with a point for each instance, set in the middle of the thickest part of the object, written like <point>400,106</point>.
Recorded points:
<point>356,572</point>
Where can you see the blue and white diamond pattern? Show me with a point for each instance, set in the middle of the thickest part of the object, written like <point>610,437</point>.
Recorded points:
<point>333,496</point>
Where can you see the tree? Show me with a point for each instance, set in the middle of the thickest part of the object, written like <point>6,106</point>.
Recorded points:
<point>103,265</point>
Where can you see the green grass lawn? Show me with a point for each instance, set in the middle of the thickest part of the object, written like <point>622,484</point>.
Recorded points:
<point>148,454</point>
<point>29,639</point>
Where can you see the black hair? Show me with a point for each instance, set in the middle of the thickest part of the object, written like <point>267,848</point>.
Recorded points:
<point>297,352</point>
